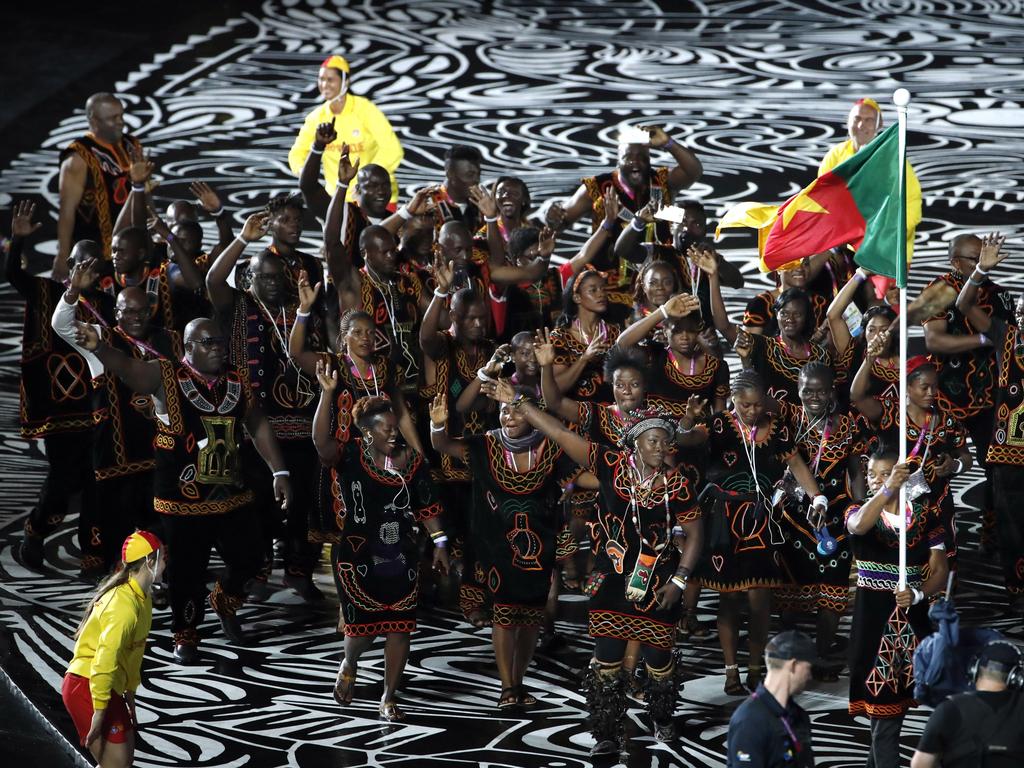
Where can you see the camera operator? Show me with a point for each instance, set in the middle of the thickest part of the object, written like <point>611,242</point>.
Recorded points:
<point>983,728</point>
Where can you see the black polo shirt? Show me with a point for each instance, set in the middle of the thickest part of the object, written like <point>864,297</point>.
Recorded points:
<point>759,737</point>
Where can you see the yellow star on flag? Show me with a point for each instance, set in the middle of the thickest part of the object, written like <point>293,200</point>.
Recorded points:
<point>802,202</point>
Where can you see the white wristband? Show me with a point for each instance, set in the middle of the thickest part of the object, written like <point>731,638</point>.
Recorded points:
<point>820,501</point>
<point>633,224</point>
<point>138,187</point>
<point>490,219</point>
<point>404,212</point>
<point>316,151</point>
<point>244,241</point>
<point>979,270</point>
<point>483,376</point>
<point>681,583</point>
<point>437,428</point>
<point>342,185</point>
<point>282,473</point>
<point>440,294</point>
<point>664,312</point>
<point>918,595</point>
<point>958,466</point>
<point>440,541</point>
<point>300,313</point>
<point>218,212</point>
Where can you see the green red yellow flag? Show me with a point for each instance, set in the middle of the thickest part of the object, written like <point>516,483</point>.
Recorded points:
<point>859,202</point>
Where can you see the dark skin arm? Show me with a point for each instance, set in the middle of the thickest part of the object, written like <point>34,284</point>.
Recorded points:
<point>471,399</point>
<point>133,212</point>
<point>719,316</point>
<point>992,255</point>
<point>687,170</point>
<point>73,175</point>
<point>312,190</point>
<point>188,276</point>
<point>432,341</point>
<point>557,403</point>
<point>141,376</point>
<point>628,244</point>
<point>326,444</point>
<point>439,437</point>
<point>864,519</point>
<point>270,451</point>
<point>306,359</point>
<point>221,294</point>
<point>841,337</point>
<point>939,341</point>
<point>598,241</point>
<point>670,593</point>
<point>339,253</point>
<point>869,407</point>
<point>210,202</point>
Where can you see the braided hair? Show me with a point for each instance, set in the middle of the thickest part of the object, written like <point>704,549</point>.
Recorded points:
<point>348,319</point>
<point>818,369</point>
<point>746,380</point>
<point>639,294</point>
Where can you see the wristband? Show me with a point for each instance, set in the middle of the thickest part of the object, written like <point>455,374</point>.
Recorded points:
<point>483,376</point>
<point>316,151</point>
<point>819,501</point>
<point>243,240</point>
<point>404,212</point>
<point>217,213</point>
<point>490,219</point>
<point>438,535</point>
<point>169,238</point>
<point>437,427</point>
<point>342,185</point>
<point>887,491</point>
<point>607,226</point>
<point>981,271</point>
<point>300,315</point>
<point>861,277</point>
<point>138,187</point>
<point>677,530</point>
<point>441,543</point>
<point>983,340</point>
<point>681,583</point>
<point>918,596</point>
<point>642,226</point>
<point>440,294</point>
<point>976,283</point>
<point>282,473</point>
<point>958,466</point>
<point>664,312</point>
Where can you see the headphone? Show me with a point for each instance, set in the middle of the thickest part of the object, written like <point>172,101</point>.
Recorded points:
<point>1014,676</point>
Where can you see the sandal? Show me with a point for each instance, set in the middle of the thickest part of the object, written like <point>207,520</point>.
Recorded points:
<point>479,619</point>
<point>689,626</point>
<point>524,698</point>
<point>344,685</point>
<point>509,699</point>
<point>733,686</point>
<point>390,712</point>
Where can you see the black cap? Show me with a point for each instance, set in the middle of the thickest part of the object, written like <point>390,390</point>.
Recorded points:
<point>792,645</point>
<point>1000,656</point>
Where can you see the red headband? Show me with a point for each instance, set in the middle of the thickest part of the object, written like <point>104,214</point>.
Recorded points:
<point>916,362</point>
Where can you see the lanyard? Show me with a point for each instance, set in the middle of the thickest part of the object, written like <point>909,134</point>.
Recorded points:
<point>363,379</point>
<point>751,453</point>
<point>922,438</point>
<point>797,746</point>
<point>678,367</point>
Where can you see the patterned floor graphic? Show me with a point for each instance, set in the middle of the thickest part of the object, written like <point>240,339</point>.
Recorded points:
<point>759,89</point>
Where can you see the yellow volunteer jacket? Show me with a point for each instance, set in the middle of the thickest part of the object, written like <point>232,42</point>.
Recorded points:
<point>364,128</point>
<point>845,151</point>
<point>109,650</point>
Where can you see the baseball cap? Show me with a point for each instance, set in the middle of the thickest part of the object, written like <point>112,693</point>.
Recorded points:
<point>792,645</point>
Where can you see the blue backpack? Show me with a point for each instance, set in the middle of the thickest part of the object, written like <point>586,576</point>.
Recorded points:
<point>942,660</point>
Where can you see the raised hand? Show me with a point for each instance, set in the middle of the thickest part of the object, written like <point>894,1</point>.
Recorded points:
<point>83,276</point>
<point>307,293</point>
<point>878,345</point>
<point>992,253</point>
<point>86,336</point>
<point>255,226</point>
<point>543,349</point>
<point>206,196</point>
<point>141,167</point>
<point>327,376</point>
<point>681,304</point>
<point>444,274</point>
<point>441,563</point>
<point>502,355</point>
<point>438,411</point>
<point>347,170</point>
<point>21,220</point>
<point>423,201</point>
<point>695,406</point>
<point>612,206</point>
<point>646,214</point>
<point>897,477</point>
<point>546,243</point>
<point>704,258</point>
<point>596,348</point>
<point>658,136</point>
<point>156,225</point>
<point>325,135</point>
<point>501,390</point>
<point>483,200</point>
<point>744,345</point>
<point>555,216</point>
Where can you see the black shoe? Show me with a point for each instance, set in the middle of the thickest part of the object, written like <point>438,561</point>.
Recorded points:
<point>304,587</point>
<point>665,733</point>
<point>232,628</point>
<point>606,747</point>
<point>186,654</point>
<point>31,551</point>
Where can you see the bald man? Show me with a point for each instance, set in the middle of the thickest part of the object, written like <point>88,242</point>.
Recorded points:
<point>94,183</point>
<point>863,123</point>
<point>122,445</point>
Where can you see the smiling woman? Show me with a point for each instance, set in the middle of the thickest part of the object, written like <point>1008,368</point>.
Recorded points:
<point>357,123</point>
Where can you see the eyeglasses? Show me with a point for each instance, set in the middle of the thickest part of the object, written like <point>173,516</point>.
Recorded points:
<point>210,341</point>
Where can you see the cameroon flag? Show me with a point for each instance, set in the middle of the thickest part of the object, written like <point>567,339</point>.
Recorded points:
<point>859,202</point>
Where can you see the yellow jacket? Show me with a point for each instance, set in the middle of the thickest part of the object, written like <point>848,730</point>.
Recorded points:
<point>845,151</point>
<point>363,127</point>
<point>109,650</point>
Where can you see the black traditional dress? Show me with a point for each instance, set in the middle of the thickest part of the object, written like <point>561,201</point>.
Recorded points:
<point>568,349</point>
<point>376,557</point>
<point>815,581</point>
<point>883,636</point>
<point>742,535</point>
<point>672,383</point>
<point>780,368</point>
<point>518,528</point>
<point>760,312</point>
<point>634,545</point>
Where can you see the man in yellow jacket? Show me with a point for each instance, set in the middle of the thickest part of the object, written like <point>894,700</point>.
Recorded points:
<point>862,125</point>
<point>358,123</point>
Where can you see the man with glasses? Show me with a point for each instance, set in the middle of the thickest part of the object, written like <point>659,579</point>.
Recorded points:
<point>966,358</point>
<point>202,406</point>
<point>260,321</point>
<point>122,444</point>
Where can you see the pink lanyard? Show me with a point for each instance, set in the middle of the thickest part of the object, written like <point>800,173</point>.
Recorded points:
<point>363,379</point>
<point>511,460</point>
<point>825,434</point>
<point>693,363</point>
<point>921,439</point>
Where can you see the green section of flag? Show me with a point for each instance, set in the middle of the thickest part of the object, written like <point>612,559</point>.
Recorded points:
<point>873,178</point>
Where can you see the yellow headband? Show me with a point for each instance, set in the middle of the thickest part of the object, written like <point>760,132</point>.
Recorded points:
<point>867,101</point>
<point>335,62</point>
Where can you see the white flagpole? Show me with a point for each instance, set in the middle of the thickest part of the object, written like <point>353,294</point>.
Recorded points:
<point>901,97</point>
